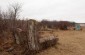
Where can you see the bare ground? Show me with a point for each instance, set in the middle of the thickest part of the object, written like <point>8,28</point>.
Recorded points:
<point>70,43</point>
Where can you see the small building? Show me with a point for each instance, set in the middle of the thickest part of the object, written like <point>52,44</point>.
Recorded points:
<point>77,27</point>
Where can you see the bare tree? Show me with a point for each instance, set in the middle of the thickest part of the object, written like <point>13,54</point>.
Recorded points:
<point>14,11</point>
<point>16,8</point>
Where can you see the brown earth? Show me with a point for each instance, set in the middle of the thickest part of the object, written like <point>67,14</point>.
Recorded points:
<point>71,42</point>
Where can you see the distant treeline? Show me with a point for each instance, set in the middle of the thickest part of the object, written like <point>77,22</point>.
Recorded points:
<point>57,24</point>
<point>7,24</point>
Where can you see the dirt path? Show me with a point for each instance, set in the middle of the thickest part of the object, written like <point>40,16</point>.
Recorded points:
<point>70,43</point>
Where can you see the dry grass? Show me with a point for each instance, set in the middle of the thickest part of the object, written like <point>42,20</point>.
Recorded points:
<point>70,43</point>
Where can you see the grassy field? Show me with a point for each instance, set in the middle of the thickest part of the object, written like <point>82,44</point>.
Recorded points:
<point>70,43</point>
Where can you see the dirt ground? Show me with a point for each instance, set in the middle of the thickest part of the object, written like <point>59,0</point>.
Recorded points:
<point>70,43</point>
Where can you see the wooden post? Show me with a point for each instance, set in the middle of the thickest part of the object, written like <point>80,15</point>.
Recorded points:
<point>33,39</point>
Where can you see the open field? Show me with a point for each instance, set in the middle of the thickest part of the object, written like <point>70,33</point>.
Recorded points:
<point>70,43</point>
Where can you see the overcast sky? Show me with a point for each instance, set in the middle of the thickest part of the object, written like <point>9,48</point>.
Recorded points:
<point>68,10</point>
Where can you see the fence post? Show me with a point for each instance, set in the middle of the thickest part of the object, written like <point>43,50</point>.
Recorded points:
<point>33,39</point>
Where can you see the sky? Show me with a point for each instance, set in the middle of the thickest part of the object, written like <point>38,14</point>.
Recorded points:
<point>60,10</point>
